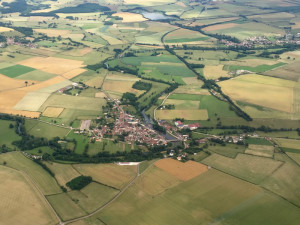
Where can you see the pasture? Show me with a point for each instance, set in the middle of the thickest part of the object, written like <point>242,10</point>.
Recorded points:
<point>20,198</point>
<point>260,150</point>
<point>288,143</point>
<point>183,171</point>
<point>230,150</point>
<point>251,168</point>
<point>41,177</point>
<point>183,104</point>
<point>109,174</point>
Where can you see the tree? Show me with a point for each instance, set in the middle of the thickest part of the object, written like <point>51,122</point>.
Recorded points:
<point>26,83</point>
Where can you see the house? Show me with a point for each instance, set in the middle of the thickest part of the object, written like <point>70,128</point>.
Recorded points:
<point>193,126</point>
<point>179,124</point>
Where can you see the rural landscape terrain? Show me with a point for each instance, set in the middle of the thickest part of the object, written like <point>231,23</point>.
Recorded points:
<point>150,112</point>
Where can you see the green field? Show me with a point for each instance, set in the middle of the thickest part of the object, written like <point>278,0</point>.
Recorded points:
<point>230,150</point>
<point>18,161</point>
<point>257,69</point>
<point>8,135</point>
<point>247,167</point>
<point>36,75</point>
<point>42,129</point>
<point>16,70</point>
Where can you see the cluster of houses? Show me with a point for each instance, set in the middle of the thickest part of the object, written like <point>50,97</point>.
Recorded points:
<point>260,40</point>
<point>31,156</point>
<point>192,126</point>
<point>131,128</point>
<point>12,41</point>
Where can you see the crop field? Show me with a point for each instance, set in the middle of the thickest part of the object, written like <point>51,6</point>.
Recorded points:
<point>63,172</point>
<point>130,17</point>
<point>65,207</point>
<point>7,135</point>
<point>42,129</point>
<point>258,69</point>
<point>183,104</point>
<point>288,143</point>
<point>45,182</point>
<point>230,150</point>
<point>14,71</point>
<point>32,101</point>
<point>184,36</point>
<point>93,196</point>
<point>109,174</point>
<point>183,171</point>
<point>73,102</point>
<point>289,71</point>
<point>53,112</point>
<point>19,198</point>
<point>210,188</point>
<point>251,168</point>
<point>120,86</point>
<point>264,91</point>
<point>214,72</point>
<point>73,73</point>
<point>285,182</point>
<point>197,114</point>
<point>52,32</point>
<point>260,150</point>
<point>52,64</point>
<point>36,75</point>
<point>208,102</point>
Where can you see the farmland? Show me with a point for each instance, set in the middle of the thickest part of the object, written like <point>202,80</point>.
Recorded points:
<point>149,112</point>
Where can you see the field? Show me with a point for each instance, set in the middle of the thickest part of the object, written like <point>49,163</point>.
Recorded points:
<point>20,198</point>
<point>182,171</point>
<point>7,135</point>
<point>183,104</point>
<point>285,182</point>
<point>251,168</point>
<point>199,114</point>
<point>52,112</point>
<point>130,17</point>
<point>44,181</point>
<point>108,174</point>
<point>230,150</point>
<point>288,143</point>
<point>260,150</point>
<point>93,196</point>
<point>264,91</point>
<point>14,71</point>
<point>214,72</point>
<point>180,205</point>
<point>63,172</point>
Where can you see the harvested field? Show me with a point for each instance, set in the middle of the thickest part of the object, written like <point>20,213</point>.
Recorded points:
<point>53,112</point>
<point>251,168</point>
<point>260,150</point>
<point>220,26</point>
<point>78,52</point>
<point>155,181</point>
<point>20,198</point>
<point>130,17</point>
<point>192,80</point>
<point>120,86</point>
<point>268,92</point>
<point>5,29</point>
<point>214,72</point>
<point>108,174</point>
<point>100,95</point>
<point>183,171</point>
<point>73,73</point>
<point>52,64</point>
<point>199,114</point>
<point>7,83</point>
<point>52,32</point>
<point>32,101</point>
